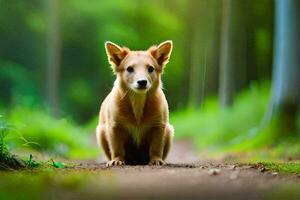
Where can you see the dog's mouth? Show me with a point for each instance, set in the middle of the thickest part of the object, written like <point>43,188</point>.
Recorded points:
<point>142,87</point>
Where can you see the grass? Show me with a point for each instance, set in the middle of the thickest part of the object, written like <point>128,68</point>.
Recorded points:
<point>213,127</point>
<point>284,167</point>
<point>10,161</point>
<point>7,159</point>
<point>56,183</point>
<point>238,129</point>
<point>39,131</point>
<point>35,132</point>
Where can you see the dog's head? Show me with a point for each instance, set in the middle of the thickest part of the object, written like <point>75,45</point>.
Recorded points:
<point>139,71</point>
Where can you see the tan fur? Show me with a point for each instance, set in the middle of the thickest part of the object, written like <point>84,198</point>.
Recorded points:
<point>134,123</point>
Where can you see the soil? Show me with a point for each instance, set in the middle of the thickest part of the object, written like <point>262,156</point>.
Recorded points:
<point>184,177</point>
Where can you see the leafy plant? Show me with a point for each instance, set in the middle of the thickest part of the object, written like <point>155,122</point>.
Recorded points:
<point>58,165</point>
<point>55,137</point>
<point>8,160</point>
<point>3,145</point>
<point>31,163</point>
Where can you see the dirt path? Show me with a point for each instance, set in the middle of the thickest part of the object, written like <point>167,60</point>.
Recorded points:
<point>185,177</point>
<point>182,180</point>
<point>208,181</point>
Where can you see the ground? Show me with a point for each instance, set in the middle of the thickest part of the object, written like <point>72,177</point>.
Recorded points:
<point>186,176</point>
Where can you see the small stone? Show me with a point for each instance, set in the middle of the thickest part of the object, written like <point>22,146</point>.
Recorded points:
<point>263,169</point>
<point>274,173</point>
<point>214,172</point>
<point>233,167</point>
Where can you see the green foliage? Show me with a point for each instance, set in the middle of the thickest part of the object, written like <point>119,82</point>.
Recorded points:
<point>7,160</point>
<point>50,135</point>
<point>213,128</point>
<point>11,161</point>
<point>16,84</point>
<point>240,128</point>
<point>31,163</point>
<point>58,165</point>
<point>285,167</point>
<point>3,134</point>
<point>84,29</point>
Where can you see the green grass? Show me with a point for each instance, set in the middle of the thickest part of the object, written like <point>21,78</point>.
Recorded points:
<point>56,184</point>
<point>10,161</point>
<point>37,130</point>
<point>237,129</point>
<point>214,127</point>
<point>284,167</point>
<point>7,159</point>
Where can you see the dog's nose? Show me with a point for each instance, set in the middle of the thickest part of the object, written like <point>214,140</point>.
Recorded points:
<point>142,83</point>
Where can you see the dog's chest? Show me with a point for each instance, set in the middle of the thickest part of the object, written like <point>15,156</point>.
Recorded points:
<point>137,132</point>
<point>138,106</point>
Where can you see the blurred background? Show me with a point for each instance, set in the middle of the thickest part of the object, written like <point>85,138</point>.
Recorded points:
<point>232,82</point>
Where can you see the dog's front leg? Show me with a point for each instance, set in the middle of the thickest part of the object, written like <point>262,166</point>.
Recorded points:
<point>117,140</point>
<point>156,146</point>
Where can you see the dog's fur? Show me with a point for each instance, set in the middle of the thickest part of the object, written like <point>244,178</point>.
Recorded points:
<point>134,121</point>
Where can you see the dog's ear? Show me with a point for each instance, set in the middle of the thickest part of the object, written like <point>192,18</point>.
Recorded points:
<point>115,53</point>
<point>162,52</point>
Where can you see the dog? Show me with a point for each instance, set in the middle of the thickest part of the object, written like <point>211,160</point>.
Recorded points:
<point>134,126</point>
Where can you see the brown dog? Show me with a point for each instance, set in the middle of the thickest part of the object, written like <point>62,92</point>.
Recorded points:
<point>134,118</point>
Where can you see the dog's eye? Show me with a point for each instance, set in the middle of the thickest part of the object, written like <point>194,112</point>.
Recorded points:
<point>150,69</point>
<point>130,69</point>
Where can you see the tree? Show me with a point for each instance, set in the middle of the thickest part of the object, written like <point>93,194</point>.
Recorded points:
<point>286,75</point>
<point>232,50</point>
<point>53,63</point>
<point>202,29</point>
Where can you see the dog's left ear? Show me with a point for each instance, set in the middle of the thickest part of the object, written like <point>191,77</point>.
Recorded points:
<point>162,52</point>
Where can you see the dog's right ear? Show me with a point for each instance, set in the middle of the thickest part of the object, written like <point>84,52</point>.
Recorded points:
<point>115,53</point>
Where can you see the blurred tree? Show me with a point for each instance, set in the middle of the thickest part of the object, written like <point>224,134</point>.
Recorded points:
<point>286,75</point>
<point>232,55</point>
<point>213,51</point>
<point>53,63</point>
<point>197,45</point>
<point>259,22</point>
<point>200,47</point>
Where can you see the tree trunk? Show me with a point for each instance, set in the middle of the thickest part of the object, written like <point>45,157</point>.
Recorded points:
<point>226,86</point>
<point>197,44</point>
<point>201,23</point>
<point>53,63</point>
<point>232,55</point>
<point>286,75</point>
<point>213,55</point>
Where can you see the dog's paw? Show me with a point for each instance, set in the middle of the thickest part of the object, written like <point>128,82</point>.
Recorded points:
<point>157,161</point>
<point>115,163</point>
